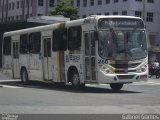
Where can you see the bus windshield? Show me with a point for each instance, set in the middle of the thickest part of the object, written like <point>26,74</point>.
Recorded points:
<point>122,44</point>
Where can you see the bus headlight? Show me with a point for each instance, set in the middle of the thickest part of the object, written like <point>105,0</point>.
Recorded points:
<point>106,70</point>
<point>142,69</point>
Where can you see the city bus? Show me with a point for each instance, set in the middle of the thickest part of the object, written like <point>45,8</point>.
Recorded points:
<point>95,50</point>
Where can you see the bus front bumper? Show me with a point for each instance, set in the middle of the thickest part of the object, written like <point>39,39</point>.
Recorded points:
<point>121,78</point>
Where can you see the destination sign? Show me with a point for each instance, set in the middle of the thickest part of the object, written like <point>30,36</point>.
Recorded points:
<point>120,22</point>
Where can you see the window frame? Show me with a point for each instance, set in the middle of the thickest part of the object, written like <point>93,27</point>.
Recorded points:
<point>115,1</point>
<point>78,3</point>
<point>41,3</point>
<point>150,17</point>
<point>99,2</point>
<point>124,12</point>
<point>138,0</point>
<point>138,13</point>
<point>91,2</point>
<point>150,1</point>
<point>24,49</point>
<point>7,45</point>
<point>84,3</point>
<point>108,1</point>
<point>51,3</point>
<point>34,43</point>
<point>59,40</point>
<point>72,42</point>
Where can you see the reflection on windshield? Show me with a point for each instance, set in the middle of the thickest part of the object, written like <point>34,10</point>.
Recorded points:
<point>122,44</point>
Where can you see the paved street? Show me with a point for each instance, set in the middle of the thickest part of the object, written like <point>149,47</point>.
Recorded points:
<point>143,97</point>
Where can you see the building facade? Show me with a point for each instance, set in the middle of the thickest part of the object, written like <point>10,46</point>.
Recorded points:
<point>15,10</point>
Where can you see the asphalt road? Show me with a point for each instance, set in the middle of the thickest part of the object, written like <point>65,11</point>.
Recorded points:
<point>41,98</point>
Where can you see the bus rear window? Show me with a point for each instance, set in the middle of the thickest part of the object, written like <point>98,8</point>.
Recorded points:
<point>7,46</point>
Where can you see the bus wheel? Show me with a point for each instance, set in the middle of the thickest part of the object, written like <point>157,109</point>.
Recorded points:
<point>24,76</point>
<point>75,80</point>
<point>158,75</point>
<point>116,86</point>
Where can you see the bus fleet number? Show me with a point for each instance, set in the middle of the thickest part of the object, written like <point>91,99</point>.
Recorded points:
<point>102,61</point>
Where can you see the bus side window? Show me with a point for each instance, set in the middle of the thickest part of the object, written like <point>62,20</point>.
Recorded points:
<point>59,40</point>
<point>93,43</point>
<point>24,44</point>
<point>35,43</point>
<point>74,38</point>
<point>7,46</point>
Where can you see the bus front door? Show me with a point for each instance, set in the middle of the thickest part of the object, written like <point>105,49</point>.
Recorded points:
<point>15,61</point>
<point>90,56</point>
<point>47,63</point>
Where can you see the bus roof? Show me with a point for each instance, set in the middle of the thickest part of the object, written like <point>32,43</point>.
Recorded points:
<point>34,29</point>
<point>93,18</point>
<point>116,16</point>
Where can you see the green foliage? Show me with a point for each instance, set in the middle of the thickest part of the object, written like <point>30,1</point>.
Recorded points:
<point>64,7</point>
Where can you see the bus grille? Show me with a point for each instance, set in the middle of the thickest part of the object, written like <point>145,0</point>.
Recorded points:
<point>131,65</point>
<point>125,76</point>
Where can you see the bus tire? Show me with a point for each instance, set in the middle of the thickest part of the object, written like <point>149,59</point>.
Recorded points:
<point>158,76</point>
<point>116,86</point>
<point>75,80</point>
<point>24,76</point>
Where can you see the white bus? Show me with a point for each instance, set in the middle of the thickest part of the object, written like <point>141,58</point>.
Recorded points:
<point>98,49</point>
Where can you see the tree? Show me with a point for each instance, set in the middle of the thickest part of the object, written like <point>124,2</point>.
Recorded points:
<point>64,7</point>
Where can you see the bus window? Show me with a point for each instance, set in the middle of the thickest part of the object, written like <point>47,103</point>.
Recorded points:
<point>35,42</point>
<point>59,40</point>
<point>24,43</point>
<point>93,53</point>
<point>74,40</point>
<point>86,44</point>
<point>7,46</point>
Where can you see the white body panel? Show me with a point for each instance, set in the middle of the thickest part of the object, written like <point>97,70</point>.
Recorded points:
<point>7,65</point>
